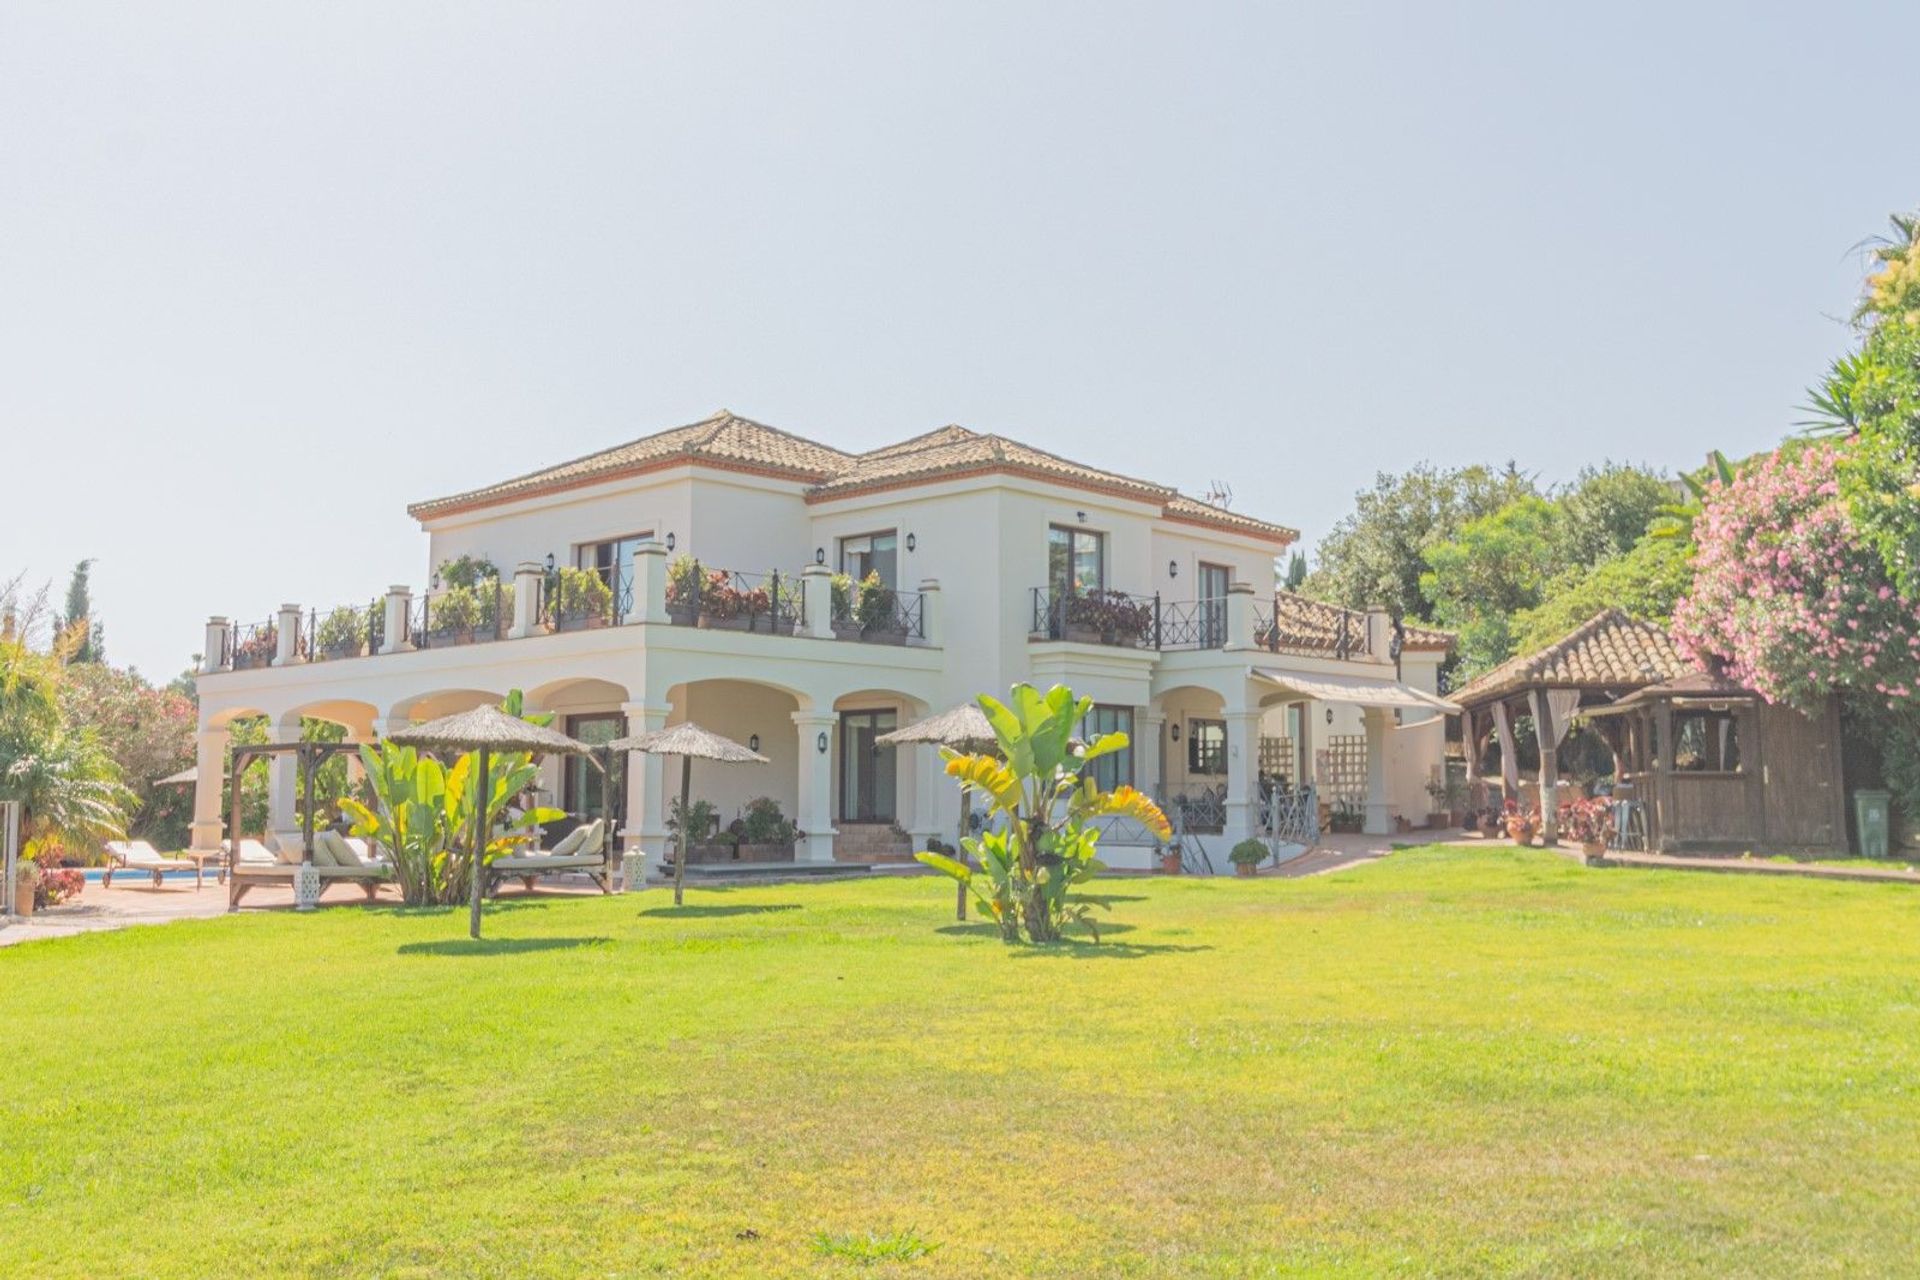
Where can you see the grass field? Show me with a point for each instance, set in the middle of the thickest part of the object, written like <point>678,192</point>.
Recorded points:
<point>1452,1062</point>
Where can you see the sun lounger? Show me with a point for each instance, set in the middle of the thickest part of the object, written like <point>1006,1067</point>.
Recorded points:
<point>334,858</point>
<point>138,855</point>
<point>586,850</point>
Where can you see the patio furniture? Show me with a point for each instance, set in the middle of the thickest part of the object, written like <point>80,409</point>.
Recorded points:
<point>585,849</point>
<point>334,858</point>
<point>138,855</point>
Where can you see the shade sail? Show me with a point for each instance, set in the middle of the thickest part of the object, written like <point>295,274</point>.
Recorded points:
<point>1359,691</point>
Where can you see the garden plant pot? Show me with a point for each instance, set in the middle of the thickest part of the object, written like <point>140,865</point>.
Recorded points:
<point>1245,869</point>
<point>1595,851</point>
<point>883,636</point>
<point>1170,863</point>
<point>23,897</point>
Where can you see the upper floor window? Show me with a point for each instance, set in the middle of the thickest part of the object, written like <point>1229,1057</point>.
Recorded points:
<point>1076,560</point>
<point>611,561</point>
<point>1116,768</point>
<point>872,553</point>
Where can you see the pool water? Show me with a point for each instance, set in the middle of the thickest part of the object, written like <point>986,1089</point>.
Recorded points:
<point>94,875</point>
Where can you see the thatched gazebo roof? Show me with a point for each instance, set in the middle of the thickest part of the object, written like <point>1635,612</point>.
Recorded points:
<point>964,727</point>
<point>690,740</point>
<point>487,727</point>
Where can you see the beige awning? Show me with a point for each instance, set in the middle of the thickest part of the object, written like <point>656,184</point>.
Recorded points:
<point>1359,691</point>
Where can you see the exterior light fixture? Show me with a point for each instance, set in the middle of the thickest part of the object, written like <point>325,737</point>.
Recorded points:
<point>820,557</point>
<point>549,562</point>
<point>821,742</point>
<point>753,743</point>
<point>1174,729</point>
<point>1173,568</point>
<point>670,541</point>
<point>1081,516</point>
<point>911,540</point>
<point>1329,715</point>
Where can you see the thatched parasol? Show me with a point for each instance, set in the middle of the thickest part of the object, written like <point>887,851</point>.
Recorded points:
<point>690,742</point>
<point>964,728</point>
<point>485,729</point>
<point>189,774</point>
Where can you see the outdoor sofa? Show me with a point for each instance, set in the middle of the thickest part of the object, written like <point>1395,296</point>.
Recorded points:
<point>586,849</point>
<point>335,857</point>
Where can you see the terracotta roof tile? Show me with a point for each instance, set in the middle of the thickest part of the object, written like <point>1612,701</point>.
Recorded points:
<point>1315,626</point>
<point>1609,650</point>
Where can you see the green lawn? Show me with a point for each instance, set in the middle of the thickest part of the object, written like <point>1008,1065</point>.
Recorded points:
<point>1449,1062</point>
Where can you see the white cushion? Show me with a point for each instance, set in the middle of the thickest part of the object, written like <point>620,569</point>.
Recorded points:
<point>571,843</point>
<point>330,848</point>
<point>596,841</point>
<point>287,851</point>
<point>252,851</point>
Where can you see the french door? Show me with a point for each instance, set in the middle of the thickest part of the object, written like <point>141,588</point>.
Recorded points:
<point>866,768</point>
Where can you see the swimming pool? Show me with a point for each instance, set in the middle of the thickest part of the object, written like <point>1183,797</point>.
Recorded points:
<point>95,875</point>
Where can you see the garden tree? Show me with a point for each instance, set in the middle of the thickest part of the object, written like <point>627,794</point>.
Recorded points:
<point>1606,509</point>
<point>1495,566</point>
<point>1039,842</point>
<point>1873,395</point>
<point>330,784</point>
<point>68,786</point>
<point>1789,598</point>
<point>90,639</point>
<point>1377,554</point>
<point>149,733</point>
<point>1646,582</point>
<point>1296,574</point>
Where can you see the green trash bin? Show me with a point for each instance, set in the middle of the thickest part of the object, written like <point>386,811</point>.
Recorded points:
<point>1872,823</point>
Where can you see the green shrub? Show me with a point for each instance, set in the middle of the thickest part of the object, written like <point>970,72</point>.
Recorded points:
<point>343,629</point>
<point>1248,853</point>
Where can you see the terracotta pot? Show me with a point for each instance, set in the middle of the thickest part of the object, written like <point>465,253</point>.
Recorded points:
<point>1520,831</point>
<point>1245,869</point>
<point>23,897</point>
<point>1169,864</point>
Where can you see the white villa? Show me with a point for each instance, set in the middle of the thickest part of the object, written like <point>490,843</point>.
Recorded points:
<point>995,562</point>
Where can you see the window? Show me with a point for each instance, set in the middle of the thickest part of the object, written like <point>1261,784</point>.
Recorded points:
<point>1705,742</point>
<point>1206,746</point>
<point>1213,582</point>
<point>1114,770</point>
<point>612,562</point>
<point>582,788</point>
<point>871,553</point>
<point>1076,561</point>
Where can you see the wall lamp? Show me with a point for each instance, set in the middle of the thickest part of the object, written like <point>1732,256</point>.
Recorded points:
<point>1174,729</point>
<point>670,540</point>
<point>911,542</point>
<point>1081,516</point>
<point>821,742</point>
<point>1173,568</point>
<point>1329,715</point>
<point>819,555</point>
<point>549,562</point>
<point>753,742</point>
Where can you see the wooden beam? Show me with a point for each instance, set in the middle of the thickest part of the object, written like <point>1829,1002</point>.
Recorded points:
<point>1545,734</point>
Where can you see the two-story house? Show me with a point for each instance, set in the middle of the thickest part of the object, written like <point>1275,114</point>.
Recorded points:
<point>838,596</point>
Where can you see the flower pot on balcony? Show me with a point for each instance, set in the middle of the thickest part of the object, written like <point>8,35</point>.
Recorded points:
<point>343,649</point>
<point>883,635</point>
<point>681,615</point>
<point>846,630</point>
<point>1082,635</point>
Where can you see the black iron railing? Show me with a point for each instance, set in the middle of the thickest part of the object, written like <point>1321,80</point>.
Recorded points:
<point>254,644</point>
<point>462,615</point>
<point>880,615</point>
<point>1327,631</point>
<point>772,603</point>
<point>345,632</point>
<point>1193,624</point>
<point>1112,618</point>
<point>576,601</point>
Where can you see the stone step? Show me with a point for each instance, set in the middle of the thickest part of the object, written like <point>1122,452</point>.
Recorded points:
<point>865,857</point>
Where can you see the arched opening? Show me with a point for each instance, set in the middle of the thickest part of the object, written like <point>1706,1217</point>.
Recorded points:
<point>1194,757</point>
<point>755,715</point>
<point>592,711</point>
<point>441,702</point>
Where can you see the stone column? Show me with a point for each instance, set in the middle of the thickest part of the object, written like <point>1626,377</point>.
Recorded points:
<point>1379,820</point>
<point>527,580</point>
<point>1243,780</point>
<point>928,774</point>
<point>283,788</point>
<point>1547,734</point>
<point>930,610</point>
<point>1240,620</point>
<point>215,657</point>
<point>817,584</point>
<point>286,636</point>
<point>399,606</point>
<point>210,760</point>
<point>644,839</point>
<point>1149,733</point>
<point>815,818</point>
<point>1379,634</point>
<point>649,602</point>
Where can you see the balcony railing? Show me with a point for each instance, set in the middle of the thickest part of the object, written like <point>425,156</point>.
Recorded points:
<point>1097,617</point>
<point>462,615</point>
<point>253,644</point>
<point>879,615</point>
<point>1323,631</point>
<point>585,602</point>
<point>728,600</point>
<point>345,632</point>
<point>1192,624</point>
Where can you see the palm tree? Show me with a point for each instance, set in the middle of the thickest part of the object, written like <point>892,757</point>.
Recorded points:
<point>70,790</point>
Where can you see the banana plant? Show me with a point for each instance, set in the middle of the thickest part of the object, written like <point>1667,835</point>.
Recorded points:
<point>1044,842</point>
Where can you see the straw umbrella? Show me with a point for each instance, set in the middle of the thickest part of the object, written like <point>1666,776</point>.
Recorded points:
<point>189,774</point>
<point>688,741</point>
<point>485,729</point>
<point>964,728</point>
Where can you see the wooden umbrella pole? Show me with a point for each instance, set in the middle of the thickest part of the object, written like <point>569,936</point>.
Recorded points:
<point>960,847</point>
<point>479,844</point>
<point>680,858</point>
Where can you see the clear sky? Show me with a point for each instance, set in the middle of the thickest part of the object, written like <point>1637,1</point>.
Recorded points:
<point>269,272</point>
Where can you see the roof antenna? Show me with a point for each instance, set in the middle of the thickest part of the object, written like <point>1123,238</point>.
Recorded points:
<point>1220,494</point>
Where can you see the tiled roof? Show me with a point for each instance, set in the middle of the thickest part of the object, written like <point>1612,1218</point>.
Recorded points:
<point>1609,651</point>
<point>724,439</point>
<point>1312,625</point>
<point>728,440</point>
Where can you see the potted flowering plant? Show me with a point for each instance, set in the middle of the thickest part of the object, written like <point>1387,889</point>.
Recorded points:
<point>1170,860</point>
<point>25,887</point>
<point>1247,857</point>
<point>1591,823</point>
<point>1521,825</point>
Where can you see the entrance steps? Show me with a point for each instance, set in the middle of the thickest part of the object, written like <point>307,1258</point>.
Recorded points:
<point>871,843</point>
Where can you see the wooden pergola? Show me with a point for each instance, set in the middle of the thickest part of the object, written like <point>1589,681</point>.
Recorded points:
<point>1605,659</point>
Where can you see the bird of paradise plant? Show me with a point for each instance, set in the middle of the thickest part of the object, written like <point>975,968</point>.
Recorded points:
<point>1044,798</point>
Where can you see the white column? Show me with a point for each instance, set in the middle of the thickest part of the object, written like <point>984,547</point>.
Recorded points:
<point>283,787</point>
<point>644,842</point>
<point>213,659</point>
<point>1379,821</point>
<point>1379,634</point>
<point>815,818</point>
<point>817,584</point>
<point>1149,731</point>
<point>649,602</point>
<point>1243,778</point>
<point>928,772</point>
<point>527,577</point>
<point>286,637</point>
<point>210,759</point>
<point>1240,622</point>
<point>399,605</point>
<point>930,610</point>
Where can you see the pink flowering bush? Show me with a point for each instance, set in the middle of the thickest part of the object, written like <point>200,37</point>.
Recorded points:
<point>1786,598</point>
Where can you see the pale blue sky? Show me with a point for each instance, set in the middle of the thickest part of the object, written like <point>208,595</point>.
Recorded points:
<point>267,273</point>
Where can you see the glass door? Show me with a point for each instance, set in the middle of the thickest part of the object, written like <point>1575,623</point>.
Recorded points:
<point>866,768</point>
<point>584,792</point>
<point>1213,604</point>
